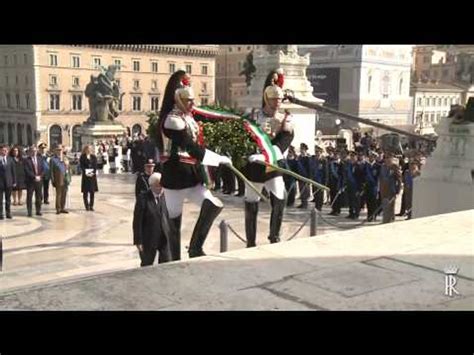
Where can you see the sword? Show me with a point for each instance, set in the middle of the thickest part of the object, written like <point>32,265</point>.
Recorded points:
<point>246,181</point>
<point>295,175</point>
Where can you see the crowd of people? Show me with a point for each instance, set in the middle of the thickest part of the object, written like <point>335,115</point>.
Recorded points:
<point>358,178</point>
<point>34,169</point>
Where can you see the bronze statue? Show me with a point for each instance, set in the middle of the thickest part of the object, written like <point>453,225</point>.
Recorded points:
<point>461,114</point>
<point>104,96</point>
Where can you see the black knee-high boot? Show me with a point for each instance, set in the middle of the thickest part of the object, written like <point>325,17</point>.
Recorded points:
<point>276,218</point>
<point>209,213</point>
<point>251,212</point>
<point>175,238</point>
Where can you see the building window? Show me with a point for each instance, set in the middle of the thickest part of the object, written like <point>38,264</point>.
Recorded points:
<point>53,60</point>
<point>118,64</point>
<point>55,135</point>
<point>419,101</point>
<point>137,103</point>
<point>439,101</point>
<point>96,62</point>
<point>26,80</point>
<point>189,68</point>
<point>15,59</point>
<point>154,67</point>
<point>204,101</point>
<point>25,58</point>
<point>204,87</point>
<point>445,73</point>
<point>154,84</point>
<point>6,80</point>
<point>76,61</point>
<point>2,132</point>
<point>6,60</point>
<point>77,102</point>
<point>27,100</point>
<point>136,84</point>
<point>154,103</point>
<point>400,86</point>
<point>248,48</point>
<point>230,49</point>
<point>426,59</point>
<point>9,101</point>
<point>75,81</point>
<point>16,79</point>
<point>136,65</point>
<point>54,102</point>
<point>29,135</point>
<point>17,99</point>
<point>19,133</point>
<point>204,70</point>
<point>53,80</point>
<point>172,68</point>
<point>445,101</point>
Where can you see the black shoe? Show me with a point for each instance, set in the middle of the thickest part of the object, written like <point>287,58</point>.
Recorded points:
<point>350,216</point>
<point>58,212</point>
<point>400,214</point>
<point>1,217</point>
<point>91,208</point>
<point>64,211</point>
<point>303,206</point>
<point>39,214</point>
<point>46,202</point>
<point>9,216</point>
<point>30,214</point>
<point>208,214</point>
<point>87,208</point>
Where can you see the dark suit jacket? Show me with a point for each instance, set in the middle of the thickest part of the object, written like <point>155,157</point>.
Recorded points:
<point>150,222</point>
<point>30,171</point>
<point>7,174</point>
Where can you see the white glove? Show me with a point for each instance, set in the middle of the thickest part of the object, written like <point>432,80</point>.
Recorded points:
<point>256,157</point>
<point>225,160</point>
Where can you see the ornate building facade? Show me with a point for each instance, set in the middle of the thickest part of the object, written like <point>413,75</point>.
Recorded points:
<point>42,86</point>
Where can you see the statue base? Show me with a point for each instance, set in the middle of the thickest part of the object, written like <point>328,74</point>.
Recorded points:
<point>446,181</point>
<point>92,134</point>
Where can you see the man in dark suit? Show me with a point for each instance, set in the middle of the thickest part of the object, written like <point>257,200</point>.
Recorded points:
<point>150,226</point>
<point>33,179</point>
<point>7,180</point>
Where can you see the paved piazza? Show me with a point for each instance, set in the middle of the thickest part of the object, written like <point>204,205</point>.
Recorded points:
<point>63,247</point>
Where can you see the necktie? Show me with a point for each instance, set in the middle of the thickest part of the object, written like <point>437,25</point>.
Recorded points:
<point>35,165</point>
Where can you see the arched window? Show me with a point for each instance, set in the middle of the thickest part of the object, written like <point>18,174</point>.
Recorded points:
<point>55,136</point>
<point>76,139</point>
<point>2,132</point>
<point>19,134</point>
<point>136,129</point>
<point>29,135</point>
<point>10,133</point>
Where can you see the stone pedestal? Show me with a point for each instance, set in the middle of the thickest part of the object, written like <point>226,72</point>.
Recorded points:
<point>446,181</point>
<point>294,68</point>
<point>91,134</point>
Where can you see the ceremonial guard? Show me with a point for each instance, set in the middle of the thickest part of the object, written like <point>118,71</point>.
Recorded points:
<point>319,173</point>
<point>335,183</point>
<point>280,130</point>
<point>183,159</point>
